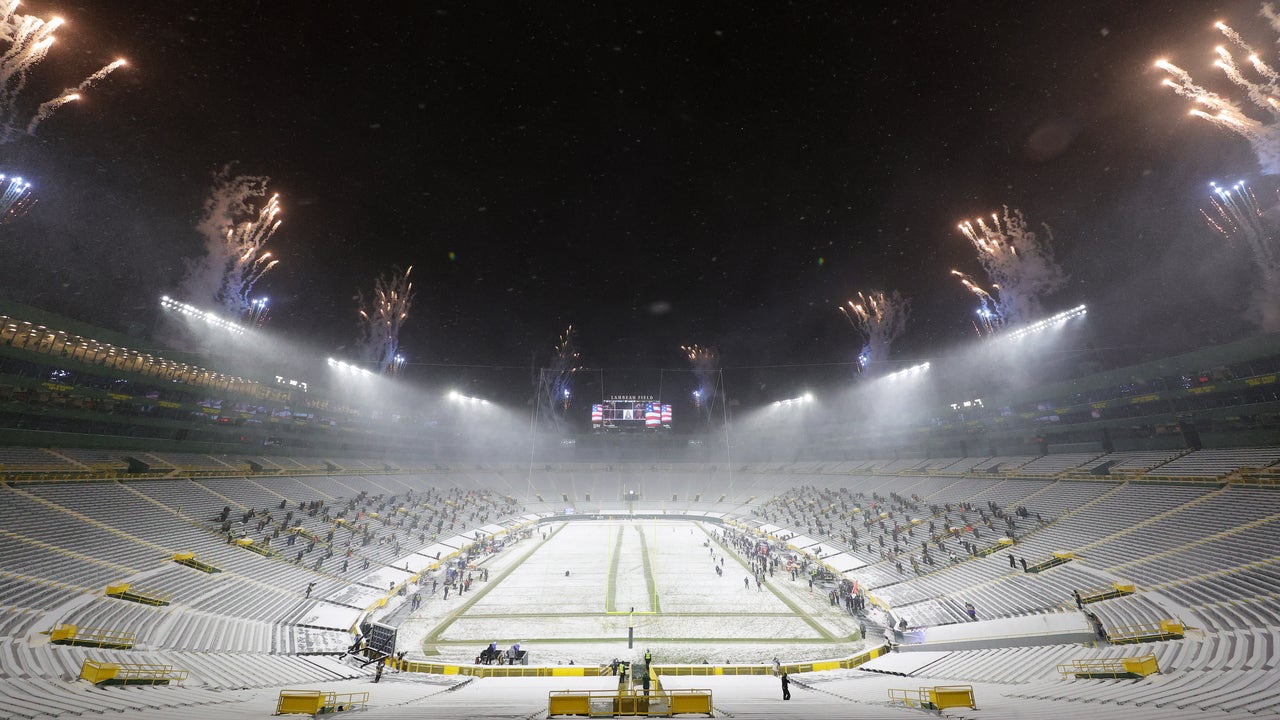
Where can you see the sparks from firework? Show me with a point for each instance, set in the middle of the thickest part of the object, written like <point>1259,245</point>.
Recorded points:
<point>235,238</point>
<point>706,368</point>
<point>69,95</point>
<point>555,381</point>
<point>1018,262</point>
<point>880,318</point>
<point>1260,87</point>
<point>384,313</point>
<point>258,313</point>
<point>29,39</point>
<point>1236,213</point>
<point>397,365</point>
<point>17,199</point>
<point>989,321</point>
<point>248,239</point>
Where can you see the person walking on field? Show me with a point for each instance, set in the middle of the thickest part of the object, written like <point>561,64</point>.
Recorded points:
<point>786,686</point>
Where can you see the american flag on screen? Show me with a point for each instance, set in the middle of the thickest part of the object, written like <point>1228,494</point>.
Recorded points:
<point>652,415</point>
<point>597,414</point>
<point>666,414</point>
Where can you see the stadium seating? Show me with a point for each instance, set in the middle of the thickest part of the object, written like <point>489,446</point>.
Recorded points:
<point>1198,550</point>
<point>1049,465</point>
<point>19,459</point>
<point>1217,463</point>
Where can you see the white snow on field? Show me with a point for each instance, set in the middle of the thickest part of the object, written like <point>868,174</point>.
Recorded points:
<point>702,614</point>
<point>539,584</point>
<point>687,580</point>
<point>630,588</point>
<point>480,630</point>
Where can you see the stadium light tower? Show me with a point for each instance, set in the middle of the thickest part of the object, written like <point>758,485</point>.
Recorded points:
<point>349,369</point>
<point>460,399</point>
<point>209,318</point>
<point>804,399</point>
<point>1047,323</point>
<point>908,372</point>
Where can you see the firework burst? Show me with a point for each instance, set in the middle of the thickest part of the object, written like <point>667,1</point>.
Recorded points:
<point>706,366</point>
<point>880,318</point>
<point>259,312</point>
<point>250,262</point>
<point>1259,84</point>
<point>989,321</point>
<point>29,39</point>
<point>384,313</point>
<point>555,381</point>
<point>1235,213</point>
<point>70,95</point>
<point>236,233</point>
<point>17,199</point>
<point>1019,263</point>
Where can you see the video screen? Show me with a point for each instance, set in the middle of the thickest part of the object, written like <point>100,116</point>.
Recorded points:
<point>630,414</point>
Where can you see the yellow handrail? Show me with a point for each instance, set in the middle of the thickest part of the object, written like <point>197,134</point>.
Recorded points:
<point>612,703</point>
<point>938,697</point>
<point>95,637</point>
<point>1126,667</point>
<point>1163,630</point>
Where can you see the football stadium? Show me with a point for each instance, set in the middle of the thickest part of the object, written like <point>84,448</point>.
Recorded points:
<point>569,360</point>
<point>171,546</point>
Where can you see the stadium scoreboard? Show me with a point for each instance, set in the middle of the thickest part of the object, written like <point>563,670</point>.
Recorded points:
<point>631,413</point>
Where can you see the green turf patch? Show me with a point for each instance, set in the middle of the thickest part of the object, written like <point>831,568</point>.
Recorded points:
<point>611,588</point>
<point>650,584</point>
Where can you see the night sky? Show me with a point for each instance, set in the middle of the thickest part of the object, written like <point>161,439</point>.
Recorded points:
<point>656,175</point>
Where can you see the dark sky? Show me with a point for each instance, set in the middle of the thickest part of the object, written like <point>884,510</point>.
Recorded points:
<point>656,174</point>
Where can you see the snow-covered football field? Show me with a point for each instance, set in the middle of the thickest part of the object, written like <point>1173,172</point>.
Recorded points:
<point>663,569</point>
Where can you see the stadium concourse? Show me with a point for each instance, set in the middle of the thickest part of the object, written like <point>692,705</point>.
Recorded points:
<point>1028,580</point>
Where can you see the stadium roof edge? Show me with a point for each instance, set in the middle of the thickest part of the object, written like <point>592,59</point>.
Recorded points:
<point>140,342</point>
